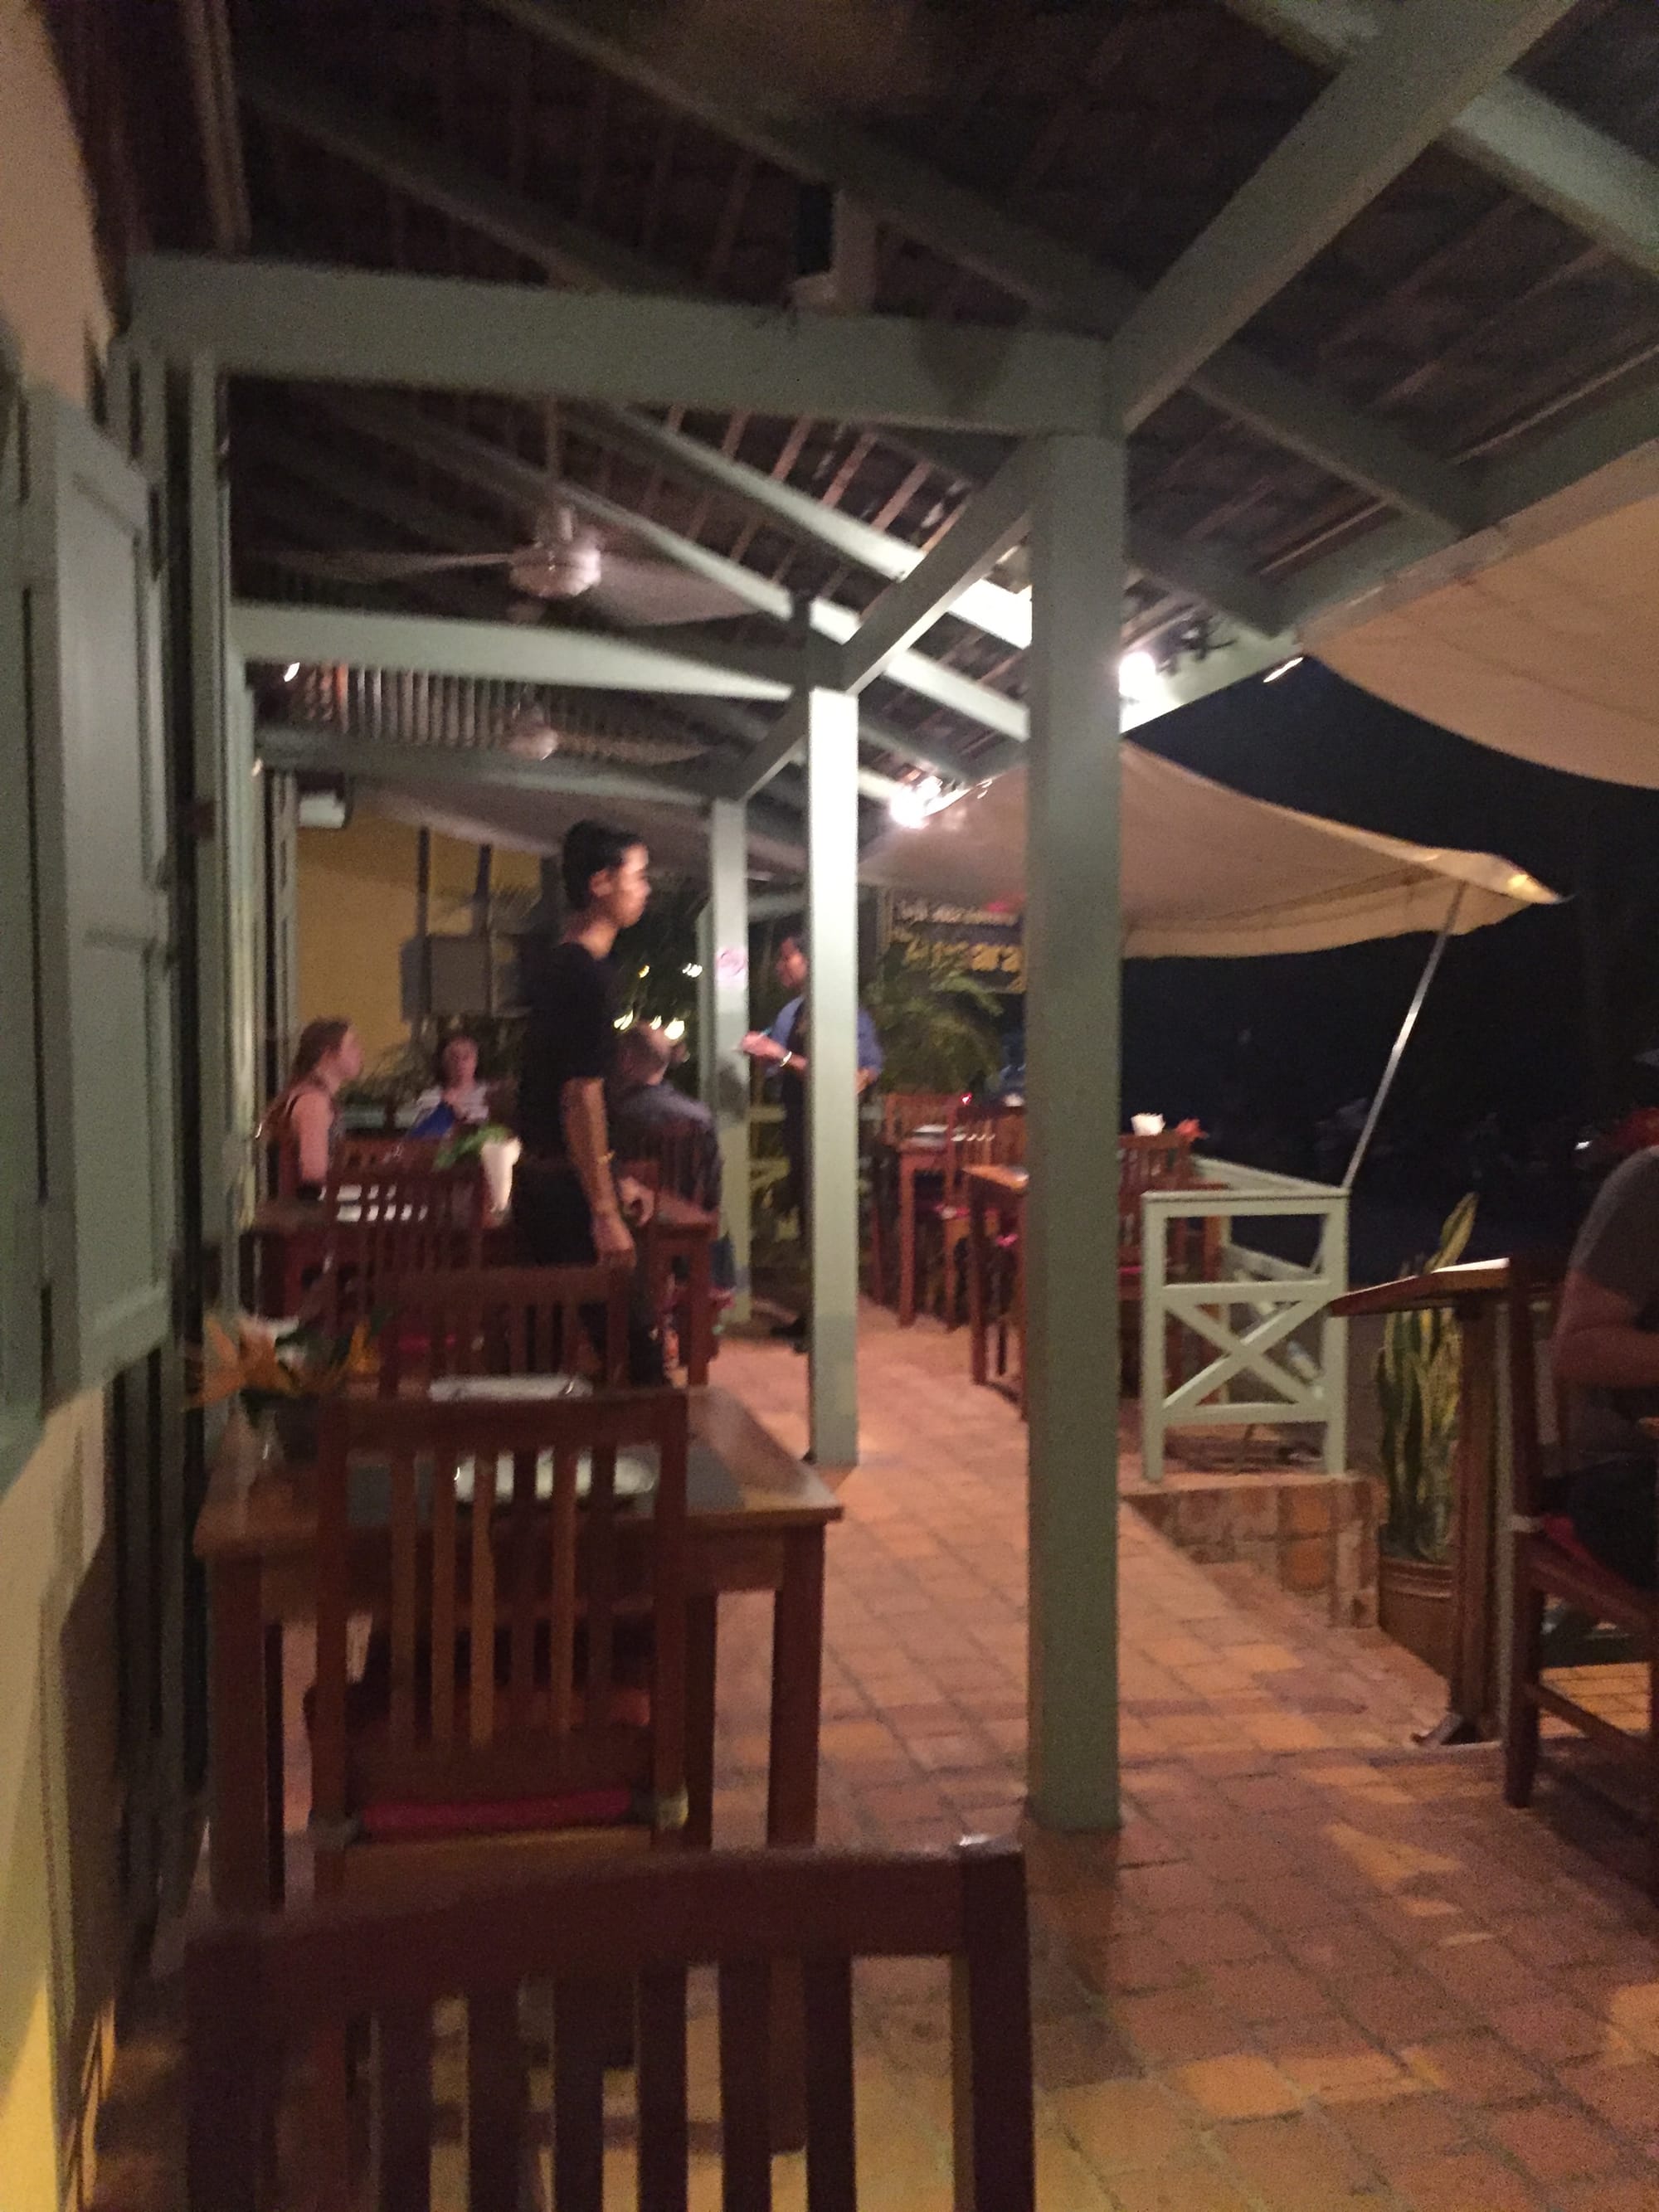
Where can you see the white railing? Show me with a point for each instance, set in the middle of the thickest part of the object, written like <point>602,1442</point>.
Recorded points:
<point>1269,1353</point>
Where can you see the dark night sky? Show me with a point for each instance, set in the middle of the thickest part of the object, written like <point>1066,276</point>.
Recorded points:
<point>1505,1030</point>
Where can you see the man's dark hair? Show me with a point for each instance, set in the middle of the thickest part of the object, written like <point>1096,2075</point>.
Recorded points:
<point>590,848</point>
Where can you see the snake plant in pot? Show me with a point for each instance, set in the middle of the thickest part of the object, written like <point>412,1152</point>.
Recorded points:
<point>1418,1371</point>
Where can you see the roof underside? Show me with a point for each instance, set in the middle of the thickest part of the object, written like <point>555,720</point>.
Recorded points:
<point>388,134</point>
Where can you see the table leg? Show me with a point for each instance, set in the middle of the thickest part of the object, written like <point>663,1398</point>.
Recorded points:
<point>240,1832</point>
<point>792,1798</point>
<point>978,1364</point>
<point>276,1774</point>
<point>700,1303</point>
<point>701,1623</point>
<point>907,1296</point>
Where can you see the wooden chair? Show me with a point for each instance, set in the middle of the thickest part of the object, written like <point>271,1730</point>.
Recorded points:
<point>904,1112</point>
<point>671,1156</point>
<point>1549,1562</point>
<point>504,1320</point>
<point>504,1713</point>
<point>397,1219</point>
<point>982,1137</point>
<point>375,1156</point>
<point>260,1991</point>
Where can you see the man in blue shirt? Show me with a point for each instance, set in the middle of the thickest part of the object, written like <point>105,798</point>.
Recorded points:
<point>784,1046</point>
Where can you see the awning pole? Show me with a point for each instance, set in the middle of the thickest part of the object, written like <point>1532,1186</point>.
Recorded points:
<point>1404,1038</point>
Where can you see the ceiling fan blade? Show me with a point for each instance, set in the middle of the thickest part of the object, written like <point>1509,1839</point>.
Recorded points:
<point>366,567</point>
<point>639,593</point>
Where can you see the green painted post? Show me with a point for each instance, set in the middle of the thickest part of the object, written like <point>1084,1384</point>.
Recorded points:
<point>726,987</point>
<point>832,1150</point>
<point>1074,940</point>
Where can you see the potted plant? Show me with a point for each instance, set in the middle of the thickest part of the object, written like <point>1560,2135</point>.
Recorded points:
<point>936,1020</point>
<point>279,1375</point>
<point>1419,1372</point>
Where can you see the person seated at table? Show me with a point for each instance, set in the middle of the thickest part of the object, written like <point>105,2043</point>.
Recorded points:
<point>650,1117</point>
<point>1606,1351</point>
<point>303,1121</point>
<point>568,1206</point>
<point>457,1099</point>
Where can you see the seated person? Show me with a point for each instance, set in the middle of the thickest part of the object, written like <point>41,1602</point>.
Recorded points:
<point>649,1114</point>
<point>1606,1351</point>
<point>457,1099</point>
<point>304,1122</point>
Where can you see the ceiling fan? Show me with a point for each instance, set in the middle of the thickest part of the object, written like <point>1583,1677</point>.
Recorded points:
<point>567,557</point>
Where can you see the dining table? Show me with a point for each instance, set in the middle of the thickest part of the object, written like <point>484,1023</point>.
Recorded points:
<point>757,1520</point>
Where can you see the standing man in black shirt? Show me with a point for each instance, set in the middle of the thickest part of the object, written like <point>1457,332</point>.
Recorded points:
<point>568,1206</point>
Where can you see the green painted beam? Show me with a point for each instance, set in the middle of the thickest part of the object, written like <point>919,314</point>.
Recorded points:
<point>970,229</point>
<point>986,527</point>
<point>323,752</point>
<point>581,659</point>
<point>355,326</point>
<point>1073,953</point>
<point>1385,108</point>
<point>1540,149</point>
<point>832,1139</point>
<point>728,995</point>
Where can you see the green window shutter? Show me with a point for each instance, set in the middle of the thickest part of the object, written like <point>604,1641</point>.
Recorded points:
<point>96,738</point>
<point>20,1341</point>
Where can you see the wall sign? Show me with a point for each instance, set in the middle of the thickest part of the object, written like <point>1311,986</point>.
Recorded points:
<point>988,940</point>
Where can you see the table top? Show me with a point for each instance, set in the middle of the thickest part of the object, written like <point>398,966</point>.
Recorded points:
<point>276,1514</point>
<point>1438,1286</point>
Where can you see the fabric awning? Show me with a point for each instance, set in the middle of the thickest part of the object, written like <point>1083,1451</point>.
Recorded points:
<point>1538,639</point>
<point>1208,873</point>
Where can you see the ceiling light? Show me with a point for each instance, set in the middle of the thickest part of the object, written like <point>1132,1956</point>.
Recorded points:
<point>675,1030</point>
<point>693,968</point>
<point>1284,668</point>
<point>1137,675</point>
<point>290,672</point>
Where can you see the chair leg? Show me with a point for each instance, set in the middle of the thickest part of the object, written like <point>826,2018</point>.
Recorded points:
<point>1653,1774</point>
<point>1525,1642</point>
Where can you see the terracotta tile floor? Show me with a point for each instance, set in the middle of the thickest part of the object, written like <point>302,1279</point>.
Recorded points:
<point>1315,1968</point>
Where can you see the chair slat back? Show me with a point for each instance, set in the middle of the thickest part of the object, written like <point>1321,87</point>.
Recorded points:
<point>904,1112</point>
<point>397,1219</point>
<point>1533,1280</point>
<point>257,1991</point>
<point>671,1156</point>
<point>356,1156</point>
<point>508,1589</point>
<point>504,1320</point>
<point>991,1138</point>
<point>1145,1164</point>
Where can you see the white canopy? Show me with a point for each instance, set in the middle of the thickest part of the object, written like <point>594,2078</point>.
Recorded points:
<point>1209,871</point>
<point>1538,639</point>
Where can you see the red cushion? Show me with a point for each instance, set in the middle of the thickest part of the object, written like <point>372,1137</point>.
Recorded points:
<point>580,1808</point>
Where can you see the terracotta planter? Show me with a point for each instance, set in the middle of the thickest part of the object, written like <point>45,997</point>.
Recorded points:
<point>1414,1606</point>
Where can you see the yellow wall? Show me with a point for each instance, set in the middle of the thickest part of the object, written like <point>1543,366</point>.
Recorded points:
<point>357,908</point>
<point>55,1960</point>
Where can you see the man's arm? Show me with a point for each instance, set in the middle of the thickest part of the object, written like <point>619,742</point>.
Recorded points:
<point>1597,1344</point>
<point>581,1114</point>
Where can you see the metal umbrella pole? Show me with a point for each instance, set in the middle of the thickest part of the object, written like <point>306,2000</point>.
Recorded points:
<point>1425,981</point>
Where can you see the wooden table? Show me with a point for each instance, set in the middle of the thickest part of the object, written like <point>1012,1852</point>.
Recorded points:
<point>258,1542</point>
<point>999,1192</point>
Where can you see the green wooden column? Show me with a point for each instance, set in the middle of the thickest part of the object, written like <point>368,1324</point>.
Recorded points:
<point>832,1145</point>
<point>1072,950</point>
<point>726,985</point>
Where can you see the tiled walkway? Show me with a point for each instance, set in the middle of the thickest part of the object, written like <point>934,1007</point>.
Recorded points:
<point>1316,1969</point>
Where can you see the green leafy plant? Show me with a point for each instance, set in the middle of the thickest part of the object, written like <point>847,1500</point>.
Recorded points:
<point>467,1143</point>
<point>1418,1371</point>
<point>936,1020</point>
